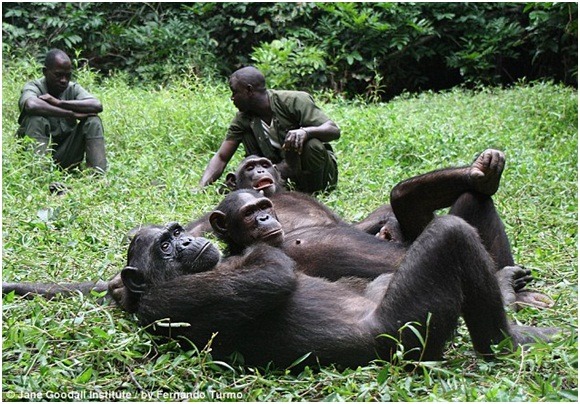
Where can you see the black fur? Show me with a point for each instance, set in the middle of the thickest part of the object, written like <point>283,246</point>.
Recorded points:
<point>261,307</point>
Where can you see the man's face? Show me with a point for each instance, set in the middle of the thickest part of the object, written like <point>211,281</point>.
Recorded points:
<point>58,76</point>
<point>241,95</point>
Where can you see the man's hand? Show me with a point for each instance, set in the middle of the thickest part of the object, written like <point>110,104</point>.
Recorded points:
<point>50,99</point>
<point>295,140</point>
<point>82,115</point>
<point>69,109</point>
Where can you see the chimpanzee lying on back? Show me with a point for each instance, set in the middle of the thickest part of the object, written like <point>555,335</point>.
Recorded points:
<point>313,231</point>
<point>261,307</point>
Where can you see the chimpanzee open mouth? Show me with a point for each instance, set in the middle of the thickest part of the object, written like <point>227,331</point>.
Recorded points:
<point>263,183</point>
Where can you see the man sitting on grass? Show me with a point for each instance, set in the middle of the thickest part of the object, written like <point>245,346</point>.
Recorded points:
<point>287,127</point>
<point>61,115</point>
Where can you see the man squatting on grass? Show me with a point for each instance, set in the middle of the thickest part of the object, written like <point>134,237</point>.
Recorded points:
<point>49,110</point>
<point>287,127</point>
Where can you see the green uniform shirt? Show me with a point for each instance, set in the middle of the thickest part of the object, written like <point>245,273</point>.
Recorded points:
<point>290,110</point>
<point>58,126</point>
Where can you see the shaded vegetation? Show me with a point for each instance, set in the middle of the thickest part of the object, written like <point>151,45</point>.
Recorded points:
<point>373,49</point>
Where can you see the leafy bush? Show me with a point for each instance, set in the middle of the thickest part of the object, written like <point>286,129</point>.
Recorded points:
<point>162,50</point>
<point>151,42</point>
<point>374,49</point>
<point>403,46</point>
<point>553,39</point>
<point>286,63</point>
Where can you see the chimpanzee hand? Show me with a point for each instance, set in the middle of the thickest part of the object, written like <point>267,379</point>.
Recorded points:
<point>121,295</point>
<point>391,231</point>
<point>295,140</point>
<point>290,167</point>
<point>510,280</point>
<point>485,172</point>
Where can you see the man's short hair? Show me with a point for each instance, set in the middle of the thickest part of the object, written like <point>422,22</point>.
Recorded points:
<point>51,57</point>
<point>250,75</point>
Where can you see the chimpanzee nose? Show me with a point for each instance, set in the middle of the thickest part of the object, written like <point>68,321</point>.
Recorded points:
<point>264,217</point>
<point>184,243</point>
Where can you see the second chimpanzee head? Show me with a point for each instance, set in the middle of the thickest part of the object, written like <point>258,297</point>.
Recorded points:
<point>160,253</point>
<point>245,217</point>
<point>256,173</point>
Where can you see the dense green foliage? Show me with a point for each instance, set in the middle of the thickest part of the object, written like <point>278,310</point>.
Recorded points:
<point>159,141</point>
<point>377,49</point>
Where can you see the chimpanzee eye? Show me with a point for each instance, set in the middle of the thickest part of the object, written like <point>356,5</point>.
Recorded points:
<point>165,245</point>
<point>249,167</point>
<point>177,232</point>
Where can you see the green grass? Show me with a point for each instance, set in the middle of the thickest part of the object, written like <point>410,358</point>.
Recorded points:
<point>159,141</point>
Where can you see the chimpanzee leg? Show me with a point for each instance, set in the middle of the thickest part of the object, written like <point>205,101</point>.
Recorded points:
<point>447,272</point>
<point>479,211</point>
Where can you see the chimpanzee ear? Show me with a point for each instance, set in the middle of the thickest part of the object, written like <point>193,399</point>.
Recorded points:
<point>133,232</point>
<point>134,280</point>
<point>231,181</point>
<point>217,219</point>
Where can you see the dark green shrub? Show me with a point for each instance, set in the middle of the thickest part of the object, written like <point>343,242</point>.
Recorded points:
<point>373,49</point>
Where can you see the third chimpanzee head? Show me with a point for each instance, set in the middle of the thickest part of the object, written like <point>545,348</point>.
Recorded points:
<point>245,217</point>
<point>257,173</point>
<point>160,253</point>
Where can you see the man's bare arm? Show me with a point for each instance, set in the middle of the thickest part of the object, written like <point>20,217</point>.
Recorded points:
<point>40,107</point>
<point>218,162</point>
<point>296,138</point>
<point>86,106</point>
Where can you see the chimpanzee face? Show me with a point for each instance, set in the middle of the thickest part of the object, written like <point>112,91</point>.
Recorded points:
<point>260,174</point>
<point>245,217</point>
<point>157,254</point>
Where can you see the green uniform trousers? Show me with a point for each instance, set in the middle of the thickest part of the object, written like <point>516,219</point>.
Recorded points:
<point>68,147</point>
<point>319,169</point>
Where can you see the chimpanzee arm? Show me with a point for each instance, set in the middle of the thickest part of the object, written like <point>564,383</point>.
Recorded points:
<point>239,290</point>
<point>415,200</point>
<point>50,290</point>
<point>199,227</point>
